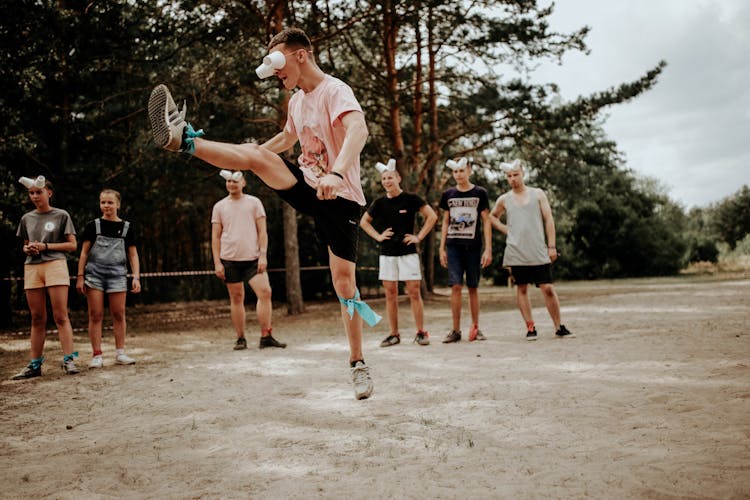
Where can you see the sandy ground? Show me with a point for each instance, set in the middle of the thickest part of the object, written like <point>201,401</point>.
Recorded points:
<point>650,400</point>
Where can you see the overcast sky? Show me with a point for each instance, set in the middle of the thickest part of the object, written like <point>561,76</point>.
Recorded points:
<point>692,130</point>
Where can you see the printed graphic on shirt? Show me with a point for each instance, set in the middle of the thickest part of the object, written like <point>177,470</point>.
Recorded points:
<point>49,226</point>
<point>463,217</point>
<point>314,153</point>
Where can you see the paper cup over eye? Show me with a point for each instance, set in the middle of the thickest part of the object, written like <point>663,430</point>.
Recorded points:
<point>264,71</point>
<point>276,60</point>
<point>272,62</point>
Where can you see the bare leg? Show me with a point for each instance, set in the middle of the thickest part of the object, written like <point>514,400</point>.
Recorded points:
<point>456,306</point>
<point>391,304</point>
<point>37,299</point>
<point>117,309</point>
<point>268,166</point>
<point>264,306</point>
<point>474,305</point>
<point>345,284</point>
<point>58,296</point>
<point>237,307</point>
<point>95,300</point>
<point>417,306</point>
<point>552,302</point>
<point>524,304</point>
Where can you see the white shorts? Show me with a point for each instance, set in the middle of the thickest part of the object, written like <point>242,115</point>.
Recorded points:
<point>400,268</point>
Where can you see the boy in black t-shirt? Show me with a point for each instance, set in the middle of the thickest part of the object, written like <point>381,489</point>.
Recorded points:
<point>390,220</point>
<point>461,244</point>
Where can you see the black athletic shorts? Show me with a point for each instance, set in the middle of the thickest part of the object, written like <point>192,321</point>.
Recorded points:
<point>524,275</point>
<point>239,271</point>
<point>336,221</point>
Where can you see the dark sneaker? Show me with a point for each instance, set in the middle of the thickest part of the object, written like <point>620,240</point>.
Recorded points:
<point>531,335</point>
<point>422,338</point>
<point>361,380</point>
<point>167,122</point>
<point>563,333</point>
<point>240,344</point>
<point>28,372</point>
<point>453,336</point>
<point>390,340</point>
<point>269,341</point>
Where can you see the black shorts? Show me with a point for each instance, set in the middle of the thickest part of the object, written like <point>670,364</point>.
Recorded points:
<point>538,275</point>
<point>239,271</point>
<point>336,221</point>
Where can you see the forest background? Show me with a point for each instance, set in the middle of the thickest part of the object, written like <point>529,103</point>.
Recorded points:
<point>76,76</point>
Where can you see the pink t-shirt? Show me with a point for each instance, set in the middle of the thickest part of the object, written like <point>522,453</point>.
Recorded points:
<point>239,232</point>
<point>315,119</point>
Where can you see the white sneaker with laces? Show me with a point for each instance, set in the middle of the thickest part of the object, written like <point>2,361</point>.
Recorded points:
<point>363,385</point>
<point>96,362</point>
<point>124,359</point>
<point>70,367</point>
<point>167,121</point>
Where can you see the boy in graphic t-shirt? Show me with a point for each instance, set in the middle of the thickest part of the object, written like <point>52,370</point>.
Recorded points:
<point>327,120</point>
<point>466,209</point>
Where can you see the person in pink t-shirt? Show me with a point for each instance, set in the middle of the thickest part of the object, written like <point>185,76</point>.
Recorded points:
<point>239,243</point>
<point>328,122</point>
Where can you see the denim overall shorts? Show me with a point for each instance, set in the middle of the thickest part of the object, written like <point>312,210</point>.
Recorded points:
<point>106,267</point>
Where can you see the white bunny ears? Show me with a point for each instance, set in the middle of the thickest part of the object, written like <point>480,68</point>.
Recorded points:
<point>272,62</point>
<point>39,182</point>
<point>390,167</point>
<point>455,165</point>
<point>228,174</point>
<point>514,165</point>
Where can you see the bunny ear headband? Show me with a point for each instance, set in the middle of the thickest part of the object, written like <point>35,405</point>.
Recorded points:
<point>514,165</point>
<point>39,182</point>
<point>455,165</point>
<point>228,174</point>
<point>391,167</point>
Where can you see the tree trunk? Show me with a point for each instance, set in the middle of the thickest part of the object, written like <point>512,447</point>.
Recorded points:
<point>295,304</point>
<point>390,40</point>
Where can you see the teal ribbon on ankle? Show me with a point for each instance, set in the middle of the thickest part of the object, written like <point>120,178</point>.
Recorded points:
<point>70,357</point>
<point>191,134</point>
<point>368,315</point>
<point>36,363</point>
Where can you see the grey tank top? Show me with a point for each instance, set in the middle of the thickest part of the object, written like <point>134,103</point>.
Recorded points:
<point>524,244</point>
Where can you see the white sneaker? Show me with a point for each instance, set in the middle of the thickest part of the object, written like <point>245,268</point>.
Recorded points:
<point>96,362</point>
<point>70,367</point>
<point>124,359</point>
<point>363,385</point>
<point>167,121</point>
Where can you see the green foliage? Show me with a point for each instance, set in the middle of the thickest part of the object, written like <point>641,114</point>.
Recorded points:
<point>77,76</point>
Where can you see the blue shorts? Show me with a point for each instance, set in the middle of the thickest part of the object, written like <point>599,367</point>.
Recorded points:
<point>462,260</point>
<point>107,284</point>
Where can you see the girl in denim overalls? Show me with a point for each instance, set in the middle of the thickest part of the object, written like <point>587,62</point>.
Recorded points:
<point>108,245</point>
